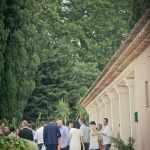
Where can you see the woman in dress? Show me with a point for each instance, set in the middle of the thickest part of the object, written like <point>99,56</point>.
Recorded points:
<point>76,136</point>
<point>94,138</point>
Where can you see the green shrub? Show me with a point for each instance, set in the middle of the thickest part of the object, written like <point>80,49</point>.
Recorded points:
<point>32,145</point>
<point>121,145</point>
<point>12,143</point>
<point>11,122</point>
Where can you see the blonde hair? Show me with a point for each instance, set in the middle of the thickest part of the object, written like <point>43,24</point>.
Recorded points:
<point>59,122</point>
<point>93,130</point>
<point>24,123</point>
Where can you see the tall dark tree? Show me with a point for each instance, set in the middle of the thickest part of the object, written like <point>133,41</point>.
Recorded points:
<point>3,37</point>
<point>20,62</point>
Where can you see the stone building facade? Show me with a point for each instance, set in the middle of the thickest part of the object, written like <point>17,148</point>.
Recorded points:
<point>122,92</point>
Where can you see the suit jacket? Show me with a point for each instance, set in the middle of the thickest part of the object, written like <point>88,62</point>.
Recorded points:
<point>51,134</point>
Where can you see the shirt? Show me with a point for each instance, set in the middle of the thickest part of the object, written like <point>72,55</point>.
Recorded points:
<point>108,133</point>
<point>39,135</point>
<point>26,133</point>
<point>86,133</point>
<point>65,136</point>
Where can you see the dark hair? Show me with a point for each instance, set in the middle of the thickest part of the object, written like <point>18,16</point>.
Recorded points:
<point>76,125</point>
<point>92,123</point>
<point>30,126</point>
<point>33,126</point>
<point>50,119</point>
<point>106,119</point>
<point>12,129</point>
<point>42,123</point>
<point>82,119</point>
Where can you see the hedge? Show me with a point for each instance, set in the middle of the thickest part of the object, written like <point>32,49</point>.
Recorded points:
<point>13,143</point>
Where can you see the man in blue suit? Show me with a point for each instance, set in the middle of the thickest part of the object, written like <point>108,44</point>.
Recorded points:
<point>51,135</point>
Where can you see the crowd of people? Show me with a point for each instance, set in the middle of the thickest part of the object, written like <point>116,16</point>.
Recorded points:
<point>56,136</point>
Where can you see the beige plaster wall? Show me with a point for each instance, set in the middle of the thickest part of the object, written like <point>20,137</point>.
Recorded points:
<point>141,68</point>
<point>142,74</point>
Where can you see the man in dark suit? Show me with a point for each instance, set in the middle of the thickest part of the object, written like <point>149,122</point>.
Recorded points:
<point>51,135</point>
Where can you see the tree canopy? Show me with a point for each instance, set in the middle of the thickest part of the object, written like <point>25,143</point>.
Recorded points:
<point>54,49</point>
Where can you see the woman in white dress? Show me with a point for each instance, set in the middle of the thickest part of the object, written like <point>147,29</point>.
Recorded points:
<point>76,136</point>
<point>94,138</point>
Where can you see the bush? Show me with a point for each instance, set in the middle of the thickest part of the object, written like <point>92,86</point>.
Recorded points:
<point>11,122</point>
<point>121,145</point>
<point>32,145</point>
<point>12,143</point>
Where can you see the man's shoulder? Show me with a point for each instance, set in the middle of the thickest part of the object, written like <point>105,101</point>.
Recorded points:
<point>51,126</point>
<point>39,129</point>
<point>65,127</point>
<point>84,127</point>
<point>25,130</point>
<point>54,125</point>
<point>46,126</point>
<point>108,127</point>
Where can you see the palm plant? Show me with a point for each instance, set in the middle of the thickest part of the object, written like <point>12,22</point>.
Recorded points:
<point>80,111</point>
<point>63,110</point>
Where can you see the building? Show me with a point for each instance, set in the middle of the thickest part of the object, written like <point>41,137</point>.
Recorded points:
<point>122,92</point>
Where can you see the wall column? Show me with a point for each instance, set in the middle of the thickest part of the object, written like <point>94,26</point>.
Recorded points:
<point>115,112</point>
<point>93,112</point>
<point>98,101</point>
<point>106,100</point>
<point>90,116</point>
<point>124,111</point>
<point>131,84</point>
<point>102,111</point>
<point>97,112</point>
<point>89,113</point>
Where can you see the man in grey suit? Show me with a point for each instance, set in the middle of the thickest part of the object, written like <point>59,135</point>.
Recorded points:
<point>86,133</point>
